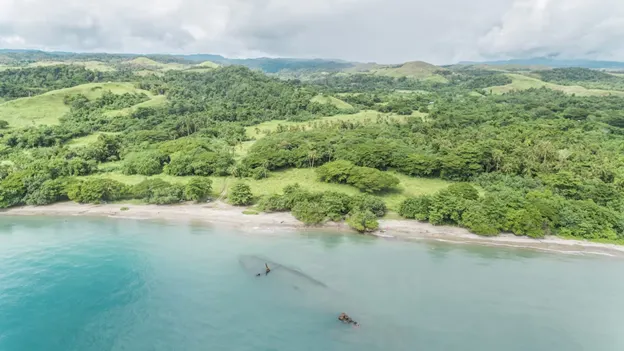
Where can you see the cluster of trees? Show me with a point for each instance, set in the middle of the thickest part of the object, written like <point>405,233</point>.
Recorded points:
<point>589,78</point>
<point>534,212</point>
<point>16,83</point>
<point>364,178</point>
<point>312,208</point>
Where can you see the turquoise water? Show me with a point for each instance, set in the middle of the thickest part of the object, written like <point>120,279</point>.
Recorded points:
<point>101,284</point>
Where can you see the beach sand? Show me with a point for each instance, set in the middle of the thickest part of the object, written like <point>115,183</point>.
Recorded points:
<point>218,213</point>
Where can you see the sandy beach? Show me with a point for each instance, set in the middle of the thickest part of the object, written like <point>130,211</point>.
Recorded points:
<point>218,213</point>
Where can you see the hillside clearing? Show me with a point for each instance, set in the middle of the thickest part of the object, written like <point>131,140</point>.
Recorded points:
<point>306,177</point>
<point>522,82</point>
<point>49,107</point>
<point>330,100</point>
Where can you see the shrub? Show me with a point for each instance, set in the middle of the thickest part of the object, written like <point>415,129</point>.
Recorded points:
<point>198,188</point>
<point>4,124</point>
<point>172,194</point>
<point>416,208</point>
<point>371,180</point>
<point>363,221</point>
<point>158,191</point>
<point>335,172</point>
<point>145,163</point>
<point>240,195</point>
<point>309,212</point>
<point>364,178</point>
<point>96,191</point>
<point>273,203</point>
<point>51,191</point>
<point>363,203</point>
<point>336,205</point>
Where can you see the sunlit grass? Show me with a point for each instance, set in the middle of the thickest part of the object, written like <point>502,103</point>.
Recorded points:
<point>522,82</point>
<point>49,107</point>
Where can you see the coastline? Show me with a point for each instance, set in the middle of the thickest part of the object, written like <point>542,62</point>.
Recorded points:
<point>219,213</point>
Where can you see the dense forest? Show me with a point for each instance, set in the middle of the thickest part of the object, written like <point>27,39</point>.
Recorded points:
<point>533,162</point>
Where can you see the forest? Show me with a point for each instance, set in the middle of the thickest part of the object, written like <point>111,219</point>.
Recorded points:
<point>530,162</point>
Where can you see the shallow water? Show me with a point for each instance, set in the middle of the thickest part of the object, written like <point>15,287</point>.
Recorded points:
<point>104,284</point>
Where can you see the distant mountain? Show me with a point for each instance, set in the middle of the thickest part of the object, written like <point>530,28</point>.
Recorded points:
<point>552,62</point>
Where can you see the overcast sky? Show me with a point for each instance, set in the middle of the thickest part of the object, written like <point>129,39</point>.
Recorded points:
<point>386,31</point>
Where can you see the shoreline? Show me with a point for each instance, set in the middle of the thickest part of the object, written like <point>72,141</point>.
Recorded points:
<point>218,213</point>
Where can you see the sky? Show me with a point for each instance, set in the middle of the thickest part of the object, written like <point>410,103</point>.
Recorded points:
<point>383,31</point>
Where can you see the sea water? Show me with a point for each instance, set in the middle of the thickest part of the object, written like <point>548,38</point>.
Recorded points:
<point>106,284</point>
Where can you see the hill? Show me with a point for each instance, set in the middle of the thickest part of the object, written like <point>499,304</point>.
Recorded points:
<point>47,108</point>
<point>523,82</point>
<point>553,62</point>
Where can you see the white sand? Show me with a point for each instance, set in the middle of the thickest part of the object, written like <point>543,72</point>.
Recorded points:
<point>219,213</point>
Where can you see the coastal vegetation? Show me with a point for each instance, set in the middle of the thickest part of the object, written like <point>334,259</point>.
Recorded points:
<point>470,147</point>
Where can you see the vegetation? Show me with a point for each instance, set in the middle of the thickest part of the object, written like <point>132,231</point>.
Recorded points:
<point>487,150</point>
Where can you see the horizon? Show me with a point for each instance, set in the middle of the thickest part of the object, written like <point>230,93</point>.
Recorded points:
<point>326,59</point>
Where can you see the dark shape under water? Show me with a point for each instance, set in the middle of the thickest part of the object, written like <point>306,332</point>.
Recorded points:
<point>253,263</point>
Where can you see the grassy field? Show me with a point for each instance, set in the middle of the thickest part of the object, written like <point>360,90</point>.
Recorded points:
<point>324,99</point>
<point>86,140</point>
<point>522,82</point>
<point>149,64</point>
<point>409,186</point>
<point>49,107</point>
<point>365,116</point>
<point>155,101</point>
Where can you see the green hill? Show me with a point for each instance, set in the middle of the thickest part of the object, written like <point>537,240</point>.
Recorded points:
<point>522,82</point>
<point>49,107</point>
<point>324,99</point>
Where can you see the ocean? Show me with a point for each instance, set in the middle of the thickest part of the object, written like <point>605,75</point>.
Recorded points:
<point>90,284</point>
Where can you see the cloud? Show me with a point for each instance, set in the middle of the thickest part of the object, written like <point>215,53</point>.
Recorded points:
<point>386,31</point>
<point>567,28</point>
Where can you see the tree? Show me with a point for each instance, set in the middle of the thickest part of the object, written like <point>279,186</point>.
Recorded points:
<point>363,221</point>
<point>198,188</point>
<point>240,195</point>
<point>309,212</point>
<point>96,191</point>
<point>416,208</point>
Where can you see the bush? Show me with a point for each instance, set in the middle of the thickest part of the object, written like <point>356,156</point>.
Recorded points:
<point>96,191</point>
<point>371,180</point>
<point>336,205</point>
<point>172,194</point>
<point>416,208</point>
<point>364,178</point>
<point>158,191</point>
<point>4,124</point>
<point>363,203</point>
<point>273,203</point>
<point>51,191</point>
<point>145,163</point>
<point>198,188</point>
<point>309,212</point>
<point>363,221</point>
<point>199,162</point>
<point>335,172</point>
<point>240,195</point>
<point>12,190</point>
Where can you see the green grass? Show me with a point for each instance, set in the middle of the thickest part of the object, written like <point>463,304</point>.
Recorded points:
<point>86,140</point>
<point>306,177</point>
<point>522,82</point>
<point>324,99</point>
<point>155,101</point>
<point>415,69</point>
<point>149,64</point>
<point>49,107</point>
<point>366,116</point>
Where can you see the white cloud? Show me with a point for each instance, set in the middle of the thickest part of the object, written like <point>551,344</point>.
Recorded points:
<point>365,30</point>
